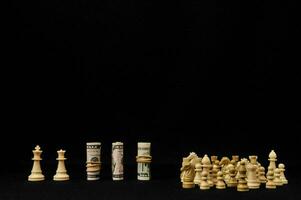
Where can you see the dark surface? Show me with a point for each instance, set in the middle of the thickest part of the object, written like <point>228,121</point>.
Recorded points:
<point>204,76</point>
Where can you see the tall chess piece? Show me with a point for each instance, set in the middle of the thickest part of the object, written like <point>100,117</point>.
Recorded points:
<point>253,182</point>
<point>242,183</point>
<point>206,167</point>
<point>36,172</point>
<point>215,170</point>
<point>282,176</point>
<point>61,172</point>
<point>188,173</point>
<point>273,159</point>
<point>270,179</point>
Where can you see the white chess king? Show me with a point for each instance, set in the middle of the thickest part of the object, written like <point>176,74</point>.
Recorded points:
<point>36,172</point>
<point>61,172</point>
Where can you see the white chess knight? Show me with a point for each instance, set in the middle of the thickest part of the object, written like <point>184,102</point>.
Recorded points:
<point>36,172</point>
<point>61,172</point>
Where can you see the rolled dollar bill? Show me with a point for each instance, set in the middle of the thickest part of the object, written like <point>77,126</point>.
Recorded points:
<point>117,161</point>
<point>143,160</point>
<point>93,160</point>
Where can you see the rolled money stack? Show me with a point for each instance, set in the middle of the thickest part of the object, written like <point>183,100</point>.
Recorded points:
<point>93,160</point>
<point>117,161</point>
<point>144,160</point>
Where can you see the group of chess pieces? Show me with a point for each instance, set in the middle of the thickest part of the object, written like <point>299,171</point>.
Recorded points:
<point>243,174</point>
<point>36,172</point>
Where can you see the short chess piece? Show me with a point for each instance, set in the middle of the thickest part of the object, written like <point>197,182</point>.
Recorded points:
<point>61,172</point>
<point>232,182</point>
<point>270,179</point>
<point>36,172</point>
<point>282,176</point>
<point>242,185</point>
<point>215,170</point>
<point>220,184</point>
<point>277,180</point>
<point>261,172</point>
<point>206,167</point>
<point>204,184</point>
<point>198,171</point>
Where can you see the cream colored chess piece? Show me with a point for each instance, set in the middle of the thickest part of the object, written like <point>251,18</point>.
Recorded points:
<point>61,172</point>
<point>261,173</point>
<point>235,158</point>
<point>242,183</point>
<point>213,158</point>
<point>206,167</point>
<point>188,175</point>
<point>36,172</point>
<point>215,170</point>
<point>273,159</point>
<point>204,184</point>
<point>192,156</point>
<point>270,179</point>
<point>232,180</point>
<point>277,180</point>
<point>253,183</point>
<point>282,176</point>
<point>198,171</point>
<point>225,161</point>
<point>220,184</point>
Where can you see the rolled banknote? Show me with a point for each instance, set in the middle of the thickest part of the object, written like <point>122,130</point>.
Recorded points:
<point>93,160</point>
<point>143,160</point>
<point>117,161</point>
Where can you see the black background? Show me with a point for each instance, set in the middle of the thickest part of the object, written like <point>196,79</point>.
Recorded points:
<point>204,76</point>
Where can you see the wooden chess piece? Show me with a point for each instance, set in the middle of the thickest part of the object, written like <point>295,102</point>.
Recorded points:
<point>261,173</point>
<point>186,163</point>
<point>198,171</point>
<point>253,183</point>
<point>277,180</point>
<point>282,176</point>
<point>215,170</point>
<point>206,167</point>
<point>220,184</point>
<point>36,172</point>
<point>188,170</point>
<point>204,184</point>
<point>270,179</point>
<point>232,182</point>
<point>61,172</point>
<point>213,158</point>
<point>242,183</point>
<point>273,159</point>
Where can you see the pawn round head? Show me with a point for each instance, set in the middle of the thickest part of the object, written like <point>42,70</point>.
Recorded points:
<point>220,174</point>
<point>281,166</point>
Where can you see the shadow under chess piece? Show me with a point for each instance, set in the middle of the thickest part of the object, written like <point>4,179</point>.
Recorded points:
<point>61,172</point>
<point>36,172</point>
<point>282,176</point>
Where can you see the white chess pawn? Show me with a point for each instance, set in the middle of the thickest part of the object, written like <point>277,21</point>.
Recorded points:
<point>273,159</point>
<point>61,172</point>
<point>204,184</point>
<point>282,176</point>
<point>270,179</point>
<point>206,167</point>
<point>198,171</point>
<point>36,172</point>
<point>232,182</point>
<point>220,184</point>
<point>261,173</point>
<point>277,180</point>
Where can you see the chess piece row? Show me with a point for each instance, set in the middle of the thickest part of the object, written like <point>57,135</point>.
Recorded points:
<point>36,172</point>
<point>243,174</point>
<point>93,164</point>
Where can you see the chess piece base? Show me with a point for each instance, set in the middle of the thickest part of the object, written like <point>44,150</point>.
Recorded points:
<point>204,187</point>
<point>36,178</point>
<point>242,189</point>
<point>270,186</point>
<point>188,185</point>
<point>220,187</point>
<point>61,178</point>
